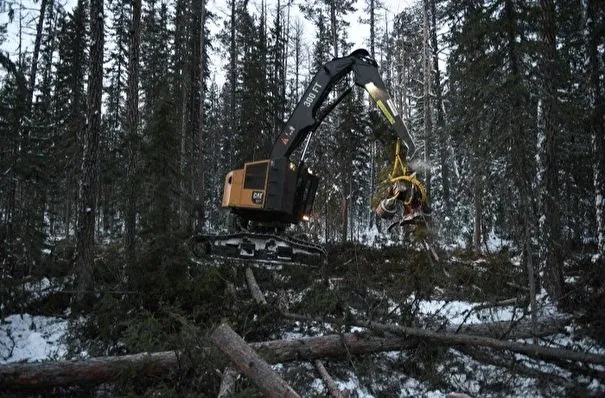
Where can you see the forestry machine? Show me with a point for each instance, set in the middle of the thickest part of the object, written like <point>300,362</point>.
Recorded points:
<point>266,196</point>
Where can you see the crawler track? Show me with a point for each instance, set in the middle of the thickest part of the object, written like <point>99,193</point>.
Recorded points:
<point>266,249</point>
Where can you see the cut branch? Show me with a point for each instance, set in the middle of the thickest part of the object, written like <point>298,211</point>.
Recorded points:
<point>513,366</point>
<point>332,387</point>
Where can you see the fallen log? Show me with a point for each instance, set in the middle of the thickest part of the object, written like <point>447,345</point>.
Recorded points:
<point>88,371</point>
<point>104,369</point>
<point>250,363</point>
<point>43,375</point>
<point>516,301</point>
<point>447,338</point>
<point>500,329</point>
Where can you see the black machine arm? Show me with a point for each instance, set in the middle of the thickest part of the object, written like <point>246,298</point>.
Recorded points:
<point>305,120</point>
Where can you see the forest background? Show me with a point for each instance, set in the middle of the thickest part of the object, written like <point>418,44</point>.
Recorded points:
<point>120,119</point>
<point>115,128</point>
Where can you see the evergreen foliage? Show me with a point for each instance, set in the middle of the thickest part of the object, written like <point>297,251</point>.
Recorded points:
<point>505,100</point>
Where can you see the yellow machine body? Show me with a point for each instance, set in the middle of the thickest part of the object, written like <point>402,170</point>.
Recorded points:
<point>274,190</point>
<point>246,187</point>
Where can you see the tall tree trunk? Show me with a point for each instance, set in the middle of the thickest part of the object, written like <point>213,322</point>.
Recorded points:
<point>596,38</point>
<point>232,71</point>
<point>442,134</point>
<point>182,70</point>
<point>89,178</point>
<point>553,266</point>
<point>521,168</point>
<point>373,167</point>
<point>199,183</point>
<point>334,28</point>
<point>132,131</point>
<point>428,122</point>
<point>37,43</point>
<point>278,77</point>
<point>372,27</point>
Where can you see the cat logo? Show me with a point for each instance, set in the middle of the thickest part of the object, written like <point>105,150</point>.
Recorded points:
<point>257,197</point>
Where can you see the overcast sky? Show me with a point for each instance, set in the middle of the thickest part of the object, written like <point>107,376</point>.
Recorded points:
<point>358,33</point>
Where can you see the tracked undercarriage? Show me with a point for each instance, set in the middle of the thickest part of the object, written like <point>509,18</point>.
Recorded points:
<point>258,247</point>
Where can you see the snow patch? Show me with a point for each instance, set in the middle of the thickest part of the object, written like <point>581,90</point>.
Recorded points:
<point>24,337</point>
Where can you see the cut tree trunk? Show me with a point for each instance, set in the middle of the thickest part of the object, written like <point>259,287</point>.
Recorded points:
<point>250,363</point>
<point>98,370</point>
<point>103,369</point>
<point>500,329</point>
<point>446,338</point>
<point>255,291</point>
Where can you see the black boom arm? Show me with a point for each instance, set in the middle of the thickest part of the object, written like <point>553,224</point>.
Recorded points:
<point>305,120</point>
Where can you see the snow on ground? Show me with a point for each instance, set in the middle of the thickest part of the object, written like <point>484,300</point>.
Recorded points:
<point>45,286</point>
<point>24,337</point>
<point>458,312</point>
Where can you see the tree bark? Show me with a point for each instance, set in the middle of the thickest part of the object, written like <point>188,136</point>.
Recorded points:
<point>448,338</point>
<point>250,363</point>
<point>255,291</point>
<point>553,259</point>
<point>41,375</point>
<point>89,178</point>
<point>104,369</point>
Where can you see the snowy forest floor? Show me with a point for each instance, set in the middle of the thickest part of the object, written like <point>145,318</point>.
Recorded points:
<point>174,303</point>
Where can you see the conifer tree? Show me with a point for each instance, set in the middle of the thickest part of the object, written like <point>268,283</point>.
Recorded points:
<point>90,165</point>
<point>595,39</point>
<point>69,107</point>
<point>132,132</point>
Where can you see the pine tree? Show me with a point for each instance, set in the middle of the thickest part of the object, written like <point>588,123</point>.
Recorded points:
<point>595,39</point>
<point>132,133</point>
<point>553,261</point>
<point>90,165</point>
<point>441,131</point>
<point>69,107</point>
